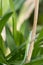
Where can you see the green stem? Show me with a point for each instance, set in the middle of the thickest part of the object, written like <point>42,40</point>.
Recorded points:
<point>13,16</point>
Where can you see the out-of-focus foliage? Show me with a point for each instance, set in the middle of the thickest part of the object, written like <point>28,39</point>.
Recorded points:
<point>13,50</point>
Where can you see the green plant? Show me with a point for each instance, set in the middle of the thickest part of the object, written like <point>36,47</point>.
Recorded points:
<point>14,49</point>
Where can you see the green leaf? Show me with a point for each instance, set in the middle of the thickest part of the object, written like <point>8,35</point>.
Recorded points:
<point>2,45</point>
<point>19,38</point>
<point>9,39</point>
<point>0,7</point>
<point>20,53</point>
<point>5,6</point>
<point>14,18</point>
<point>37,47</point>
<point>25,28</point>
<point>18,4</point>
<point>17,54</point>
<point>2,57</point>
<point>4,20</point>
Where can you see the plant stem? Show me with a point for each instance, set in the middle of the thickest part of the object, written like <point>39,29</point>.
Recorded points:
<point>33,31</point>
<point>13,17</point>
